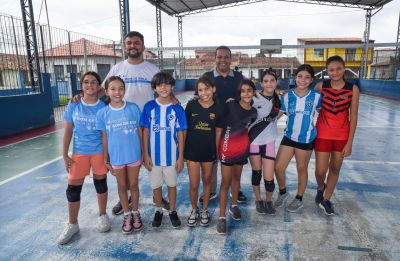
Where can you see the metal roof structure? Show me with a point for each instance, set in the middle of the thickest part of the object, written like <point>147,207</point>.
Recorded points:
<point>183,8</point>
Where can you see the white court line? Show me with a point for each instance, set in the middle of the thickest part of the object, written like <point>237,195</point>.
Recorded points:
<point>28,139</point>
<point>370,162</point>
<point>30,170</point>
<point>379,127</point>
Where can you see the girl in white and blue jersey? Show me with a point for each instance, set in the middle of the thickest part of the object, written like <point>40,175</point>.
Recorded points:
<point>300,106</point>
<point>87,154</point>
<point>119,123</point>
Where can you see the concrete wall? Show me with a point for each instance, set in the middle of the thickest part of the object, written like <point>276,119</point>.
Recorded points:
<point>386,89</point>
<point>25,112</point>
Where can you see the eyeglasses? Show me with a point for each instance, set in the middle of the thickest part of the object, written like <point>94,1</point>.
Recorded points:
<point>91,83</point>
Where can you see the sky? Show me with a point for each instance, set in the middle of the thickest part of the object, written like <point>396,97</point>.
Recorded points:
<point>241,25</point>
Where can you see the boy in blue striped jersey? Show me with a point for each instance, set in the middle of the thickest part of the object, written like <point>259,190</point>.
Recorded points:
<point>163,125</point>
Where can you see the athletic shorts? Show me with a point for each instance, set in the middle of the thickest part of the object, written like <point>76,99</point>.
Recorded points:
<point>160,174</point>
<point>323,145</point>
<point>84,162</point>
<point>243,162</point>
<point>298,145</point>
<point>133,164</point>
<point>266,151</point>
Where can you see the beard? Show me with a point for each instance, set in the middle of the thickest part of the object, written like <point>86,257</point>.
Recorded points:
<point>134,53</point>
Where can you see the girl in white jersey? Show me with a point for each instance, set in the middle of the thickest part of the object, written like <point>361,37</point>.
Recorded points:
<point>262,135</point>
<point>300,105</point>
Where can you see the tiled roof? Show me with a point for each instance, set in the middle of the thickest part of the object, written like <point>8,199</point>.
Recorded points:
<point>10,62</point>
<point>93,49</point>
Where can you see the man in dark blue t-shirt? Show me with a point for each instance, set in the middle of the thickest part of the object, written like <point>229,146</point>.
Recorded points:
<point>227,82</point>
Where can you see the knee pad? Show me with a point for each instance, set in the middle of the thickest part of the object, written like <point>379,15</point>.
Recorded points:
<point>101,185</point>
<point>256,177</point>
<point>74,193</point>
<point>269,185</point>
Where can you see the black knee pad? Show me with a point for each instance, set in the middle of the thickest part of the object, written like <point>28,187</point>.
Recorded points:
<point>74,193</point>
<point>269,185</point>
<point>101,185</point>
<point>256,177</point>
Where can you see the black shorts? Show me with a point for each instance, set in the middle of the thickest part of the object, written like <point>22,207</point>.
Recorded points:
<point>298,145</point>
<point>243,162</point>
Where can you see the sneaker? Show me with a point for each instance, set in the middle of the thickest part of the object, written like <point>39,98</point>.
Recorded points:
<point>205,218</point>
<point>127,224</point>
<point>104,224</point>
<point>260,207</point>
<point>235,212</point>
<point>320,195</point>
<point>269,208</point>
<point>327,207</point>
<point>221,226</point>
<point>193,219</point>
<point>157,219</point>
<point>241,197</point>
<point>117,209</point>
<point>69,231</point>
<point>212,196</point>
<point>137,221</point>
<point>164,203</point>
<point>280,199</point>
<point>295,205</point>
<point>175,221</point>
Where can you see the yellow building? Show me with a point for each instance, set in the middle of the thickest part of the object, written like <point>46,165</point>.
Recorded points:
<point>317,57</point>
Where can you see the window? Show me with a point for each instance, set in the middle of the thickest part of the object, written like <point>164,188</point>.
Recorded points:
<point>102,70</point>
<point>59,72</point>
<point>350,55</point>
<point>319,52</point>
<point>73,67</point>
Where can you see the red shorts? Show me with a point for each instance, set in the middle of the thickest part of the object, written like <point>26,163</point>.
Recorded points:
<point>82,164</point>
<point>323,145</point>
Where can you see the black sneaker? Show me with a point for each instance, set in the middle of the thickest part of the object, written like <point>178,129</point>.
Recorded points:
<point>241,197</point>
<point>157,219</point>
<point>117,209</point>
<point>327,207</point>
<point>212,196</point>
<point>320,195</point>
<point>221,226</point>
<point>175,221</point>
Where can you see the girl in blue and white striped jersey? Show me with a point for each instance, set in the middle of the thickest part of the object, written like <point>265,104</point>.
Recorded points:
<point>300,105</point>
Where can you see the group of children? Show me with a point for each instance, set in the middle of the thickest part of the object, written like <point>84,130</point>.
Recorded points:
<point>119,138</point>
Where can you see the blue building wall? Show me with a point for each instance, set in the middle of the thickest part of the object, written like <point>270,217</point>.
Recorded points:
<point>386,89</point>
<point>25,112</point>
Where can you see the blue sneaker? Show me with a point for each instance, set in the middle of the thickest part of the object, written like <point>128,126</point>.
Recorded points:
<point>327,207</point>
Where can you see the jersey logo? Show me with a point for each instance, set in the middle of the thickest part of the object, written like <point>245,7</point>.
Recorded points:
<point>194,114</point>
<point>171,117</point>
<point>212,116</point>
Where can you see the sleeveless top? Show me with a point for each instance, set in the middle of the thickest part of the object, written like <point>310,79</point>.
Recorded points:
<point>333,121</point>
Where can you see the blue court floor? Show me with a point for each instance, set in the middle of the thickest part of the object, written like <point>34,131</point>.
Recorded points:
<point>33,209</point>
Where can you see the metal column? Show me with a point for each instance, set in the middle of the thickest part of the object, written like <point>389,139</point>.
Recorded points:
<point>124,22</point>
<point>31,44</point>
<point>397,53</point>
<point>364,59</point>
<point>159,34</point>
<point>180,40</point>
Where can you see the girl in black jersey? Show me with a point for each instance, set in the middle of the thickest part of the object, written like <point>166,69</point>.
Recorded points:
<point>234,148</point>
<point>204,117</point>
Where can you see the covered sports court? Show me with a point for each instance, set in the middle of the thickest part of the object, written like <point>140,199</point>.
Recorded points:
<point>34,210</point>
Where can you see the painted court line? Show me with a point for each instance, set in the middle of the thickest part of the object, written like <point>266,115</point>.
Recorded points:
<point>28,139</point>
<point>360,249</point>
<point>30,170</point>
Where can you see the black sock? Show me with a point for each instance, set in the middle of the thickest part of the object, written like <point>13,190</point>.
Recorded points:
<point>299,197</point>
<point>282,191</point>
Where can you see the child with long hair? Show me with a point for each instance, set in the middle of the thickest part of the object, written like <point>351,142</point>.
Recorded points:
<point>80,123</point>
<point>234,149</point>
<point>119,123</point>
<point>300,105</point>
<point>262,135</point>
<point>336,126</point>
<point>204,117</point>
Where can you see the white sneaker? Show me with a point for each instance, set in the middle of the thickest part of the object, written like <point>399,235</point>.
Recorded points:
<point>104,224</point>
<point>69,231</point>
